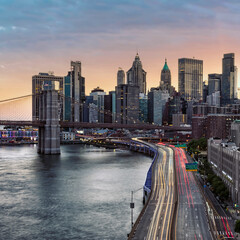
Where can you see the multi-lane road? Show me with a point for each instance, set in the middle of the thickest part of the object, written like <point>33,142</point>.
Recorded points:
<point>156,220</point>
<point>192,222</point>
<point>177,208</point>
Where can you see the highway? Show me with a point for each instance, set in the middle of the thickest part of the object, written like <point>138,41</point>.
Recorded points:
<point>156,220</point>
<point>222,221</point>
<point>192,222</point>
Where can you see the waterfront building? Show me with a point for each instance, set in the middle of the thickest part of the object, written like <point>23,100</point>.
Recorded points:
<point>190,78</point>
<point>120,76</point>
<point>229,79</point>
<point>143,108</point>
<point>127,103</point>
<point>45,81</point>
<point>98,101</point>
<point>157,99</point>
<point>136,76</point>
<point>165,75</point>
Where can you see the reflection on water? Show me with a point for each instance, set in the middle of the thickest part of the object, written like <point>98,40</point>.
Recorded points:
<point>84,193</point>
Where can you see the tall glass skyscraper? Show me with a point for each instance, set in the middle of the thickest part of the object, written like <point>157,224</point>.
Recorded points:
<point>229,79</point>
<point>190,78</point>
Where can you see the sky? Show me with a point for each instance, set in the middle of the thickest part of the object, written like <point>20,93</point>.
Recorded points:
<point>45,35</point>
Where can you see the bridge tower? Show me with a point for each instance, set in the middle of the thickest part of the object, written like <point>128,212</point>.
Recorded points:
<point>49,134</point>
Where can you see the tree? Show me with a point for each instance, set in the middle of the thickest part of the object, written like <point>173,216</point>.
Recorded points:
<point>237,226</point>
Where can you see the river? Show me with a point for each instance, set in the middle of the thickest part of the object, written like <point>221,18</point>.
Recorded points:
<point>84,193</point>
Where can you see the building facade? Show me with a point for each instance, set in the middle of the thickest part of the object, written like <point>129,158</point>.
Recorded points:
<point>98,100</point>
<point>120,76</point>
<point>229,79</point>
<point>214,83</point>
<point>190,78</point>
<point>45,81</point>
<point>127,104</point>
<point>157,99</point>
<point>136,76</point>
<point>225,159</point>
<point>143,108</point>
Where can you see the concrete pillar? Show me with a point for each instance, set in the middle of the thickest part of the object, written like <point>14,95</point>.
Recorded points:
<point>49,134</point>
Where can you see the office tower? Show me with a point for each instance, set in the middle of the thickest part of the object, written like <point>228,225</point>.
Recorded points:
<point>136,76</point>
<point>45,81</point>
<point>165,75</point>
<point>120,76</point>
<point>110,107</point>
<point>98,101</point>
<point>229,79</point>
<point>157,99</point>
<point>190,78</point>
<point>143,108</point>
<point>127,104</point>
<point>214,83</point>
<point>78,90</point>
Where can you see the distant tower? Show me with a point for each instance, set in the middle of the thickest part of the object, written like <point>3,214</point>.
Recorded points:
<point>136,76</point>
<point>165,75</point>
<point>190,78</point>
<point>229,79</point>
<point>120,76</point>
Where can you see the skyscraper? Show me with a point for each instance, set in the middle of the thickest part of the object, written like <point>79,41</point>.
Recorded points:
<point>214,83</point>
<point>98,99</point>
<point>74,91</point>
<point>136,76</point>
<point>120,76</point>
<point>190,78</point>
<point>157,99</point>
<point>44,81</point>
<point>165,75</point>
<point>229,79</point>
<point>127,104</point>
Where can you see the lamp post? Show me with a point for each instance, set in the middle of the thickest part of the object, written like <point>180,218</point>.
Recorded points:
<point>132,204</point>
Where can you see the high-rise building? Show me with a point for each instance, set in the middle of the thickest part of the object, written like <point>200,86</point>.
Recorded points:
<point>214,83</point>
<point>127,104</point>
<point>120,76</point>
<point>190,78</point>
<point>157,99</point>
<point>98,99</point>
<point>74,93</point>
<point>165,75</point>
<point>136,76</point>
<point>45,81</point>
<point>143,108</point>
<point>110,107</point>
<point>229,79</point>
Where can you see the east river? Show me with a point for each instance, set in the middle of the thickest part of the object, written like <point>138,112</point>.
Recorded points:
<point>84,193</point>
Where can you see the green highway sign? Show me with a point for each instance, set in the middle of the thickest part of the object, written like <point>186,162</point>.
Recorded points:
<point>191,166</point>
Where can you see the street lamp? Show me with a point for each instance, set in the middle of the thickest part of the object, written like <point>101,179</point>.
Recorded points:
<point>132,204</point>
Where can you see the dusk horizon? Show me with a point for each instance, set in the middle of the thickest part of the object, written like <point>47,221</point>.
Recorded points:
<point>46,35</point>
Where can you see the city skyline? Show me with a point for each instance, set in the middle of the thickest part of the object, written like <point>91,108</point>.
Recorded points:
<point>46,36</point>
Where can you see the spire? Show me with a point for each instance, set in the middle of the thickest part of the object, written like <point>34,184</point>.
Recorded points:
<point>165,67</point>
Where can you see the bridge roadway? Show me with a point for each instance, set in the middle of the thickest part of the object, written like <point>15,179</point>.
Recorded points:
<point>192,222</point>
<point>156,220</point>
<point>96,125</point>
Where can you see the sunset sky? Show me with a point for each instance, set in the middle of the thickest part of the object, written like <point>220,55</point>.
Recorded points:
<point>45,35</point>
